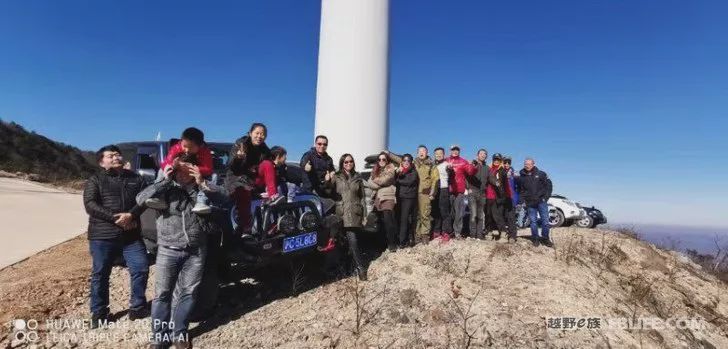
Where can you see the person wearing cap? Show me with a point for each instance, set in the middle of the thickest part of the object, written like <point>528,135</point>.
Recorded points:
<point>461,169</point>
<point>497,198</point>
<point>442,218</point>
<point>477,185</point>
<point>534,189</point>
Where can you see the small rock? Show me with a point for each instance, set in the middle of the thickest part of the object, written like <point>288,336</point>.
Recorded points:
<point>16,343</point>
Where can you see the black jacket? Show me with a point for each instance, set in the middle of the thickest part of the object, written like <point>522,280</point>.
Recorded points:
<point>107,193</point>
<point>320,164</point>
<point>247,165</point>
<point>407,184</point>
<point>534,186</point>
<point>479,181</point>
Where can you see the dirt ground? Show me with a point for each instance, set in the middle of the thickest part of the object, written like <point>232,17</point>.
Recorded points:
<point>466,293</point>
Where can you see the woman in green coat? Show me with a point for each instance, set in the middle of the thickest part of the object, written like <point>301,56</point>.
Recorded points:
<point>350,199</point>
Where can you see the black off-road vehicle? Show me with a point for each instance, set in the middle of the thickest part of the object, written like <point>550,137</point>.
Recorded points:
<point>299,227</point>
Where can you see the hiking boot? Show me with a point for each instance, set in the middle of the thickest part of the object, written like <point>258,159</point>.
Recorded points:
<point>496,235</point>
<point>98,319</point>
<point>392,248</point>
<point>511,239</point>
<point>362,274</point>
<point>274,200</point>
<point>201,208</point>
<point>444,238</point>
<point>156,204</point>
<point>436,235</point>
<point>138,314</point>
<point>458,236</point>
<point>181,345</point>
<point>547,242</point>
<point>535,242</point>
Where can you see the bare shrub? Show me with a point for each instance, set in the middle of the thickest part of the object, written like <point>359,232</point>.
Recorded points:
<point>463,314</point>
<point>364,308</point>
<point>629,231</point>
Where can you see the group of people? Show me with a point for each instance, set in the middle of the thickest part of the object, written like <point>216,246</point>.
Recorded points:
<point>430,197</point>
<point>412,200</point>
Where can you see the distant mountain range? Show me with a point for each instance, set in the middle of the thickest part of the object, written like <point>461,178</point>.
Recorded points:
<point>700,239</point>
<point>49,161</point>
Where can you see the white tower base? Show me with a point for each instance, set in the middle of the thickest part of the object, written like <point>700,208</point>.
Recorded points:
<point>352,94</point>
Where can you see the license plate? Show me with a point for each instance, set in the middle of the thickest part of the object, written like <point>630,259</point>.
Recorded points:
<point>298,242</point>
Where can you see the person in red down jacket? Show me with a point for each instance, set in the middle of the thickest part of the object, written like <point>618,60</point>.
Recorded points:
<point>461,169</point>
<point>192,142</point>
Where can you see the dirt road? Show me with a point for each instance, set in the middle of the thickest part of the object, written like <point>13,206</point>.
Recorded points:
<point>35,217</point>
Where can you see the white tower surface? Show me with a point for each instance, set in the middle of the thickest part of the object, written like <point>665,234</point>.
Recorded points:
<point>352,92</point>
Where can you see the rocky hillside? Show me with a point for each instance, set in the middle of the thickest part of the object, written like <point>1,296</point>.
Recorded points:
<point>41,158</point>
<point>466,293</point>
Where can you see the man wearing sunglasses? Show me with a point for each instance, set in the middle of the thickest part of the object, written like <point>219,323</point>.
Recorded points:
<point>318,166</point>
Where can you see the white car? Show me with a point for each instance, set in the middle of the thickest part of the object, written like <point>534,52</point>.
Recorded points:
<point>566,211</point>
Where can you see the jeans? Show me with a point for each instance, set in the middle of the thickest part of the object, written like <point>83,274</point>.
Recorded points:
<point>178,276</point>
<point>520,215</point>
<point>476,203</point>
<point>458,211</point>
<point>542,209</point>
<point>103,253</point>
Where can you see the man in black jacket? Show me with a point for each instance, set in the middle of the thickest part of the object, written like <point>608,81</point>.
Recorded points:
<point>113,230</point>
<point>317,163</point>
<point>477,185</point>
<point>534,189</point>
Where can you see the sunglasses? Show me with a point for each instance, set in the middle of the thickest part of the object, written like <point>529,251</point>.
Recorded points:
<point>348,162</point>
<point>323,144</point>
<point>382,159</point>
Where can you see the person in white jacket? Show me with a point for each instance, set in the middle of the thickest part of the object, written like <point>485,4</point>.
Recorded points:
<point>441,215</point>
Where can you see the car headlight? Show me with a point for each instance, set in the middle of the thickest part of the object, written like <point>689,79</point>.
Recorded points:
<point>308,221</point>
<point>287,224</point>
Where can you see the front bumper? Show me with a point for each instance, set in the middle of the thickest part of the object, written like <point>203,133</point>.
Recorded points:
<point>574,213</point>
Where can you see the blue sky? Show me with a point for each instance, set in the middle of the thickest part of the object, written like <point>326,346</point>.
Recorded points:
<point>624,103</point>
